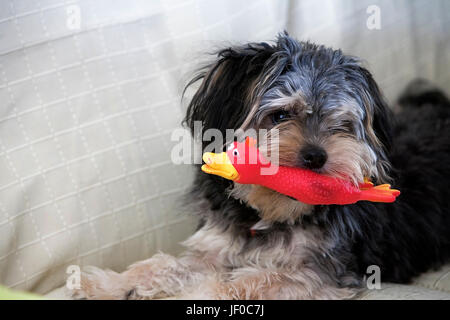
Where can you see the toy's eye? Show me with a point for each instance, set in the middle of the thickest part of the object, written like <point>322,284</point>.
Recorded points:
<point>280,116</point>
<point>235,153</point>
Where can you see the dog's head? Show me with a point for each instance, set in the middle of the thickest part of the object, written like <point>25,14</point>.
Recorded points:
<point>329,112</point>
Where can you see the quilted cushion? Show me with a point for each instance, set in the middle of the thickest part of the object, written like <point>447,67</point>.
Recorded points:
<point>434,285</point>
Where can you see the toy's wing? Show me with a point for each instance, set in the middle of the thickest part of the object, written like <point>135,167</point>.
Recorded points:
<point>366,184</point>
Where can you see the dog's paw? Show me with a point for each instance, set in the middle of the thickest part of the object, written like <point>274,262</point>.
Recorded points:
<point>98,284</point>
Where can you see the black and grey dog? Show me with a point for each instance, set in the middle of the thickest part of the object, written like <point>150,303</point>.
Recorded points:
<point>331,119</point>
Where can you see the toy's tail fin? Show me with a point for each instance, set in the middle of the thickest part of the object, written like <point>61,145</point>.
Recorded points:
<point>381,193</point>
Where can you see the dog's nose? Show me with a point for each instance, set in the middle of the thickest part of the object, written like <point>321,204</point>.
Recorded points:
<point>313,157</point>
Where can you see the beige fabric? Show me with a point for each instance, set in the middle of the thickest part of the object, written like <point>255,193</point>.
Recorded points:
<point>430,286</point>
<point>90,92</point>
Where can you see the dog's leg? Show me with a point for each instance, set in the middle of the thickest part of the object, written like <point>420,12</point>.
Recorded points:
<point>253,283</point>
<point>160,276</point>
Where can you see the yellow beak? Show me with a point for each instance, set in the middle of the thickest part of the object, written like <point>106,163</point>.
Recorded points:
<point>220,165</point>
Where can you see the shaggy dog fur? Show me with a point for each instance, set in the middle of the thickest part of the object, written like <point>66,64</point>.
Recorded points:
<point>332,119</point>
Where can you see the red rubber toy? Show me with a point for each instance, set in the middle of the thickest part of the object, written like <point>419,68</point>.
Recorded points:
<point>243,163</point>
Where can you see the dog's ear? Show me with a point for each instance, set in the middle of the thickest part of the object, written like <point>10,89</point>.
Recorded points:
<point>223,98</point>
<point>378,124</point>
<point>382,115</point>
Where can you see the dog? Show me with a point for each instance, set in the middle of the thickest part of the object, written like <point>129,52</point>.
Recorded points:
<point>254,243</point>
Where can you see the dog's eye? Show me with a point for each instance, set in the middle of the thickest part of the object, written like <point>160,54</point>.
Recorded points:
<point>344,127</point>
<point>280,116</point>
